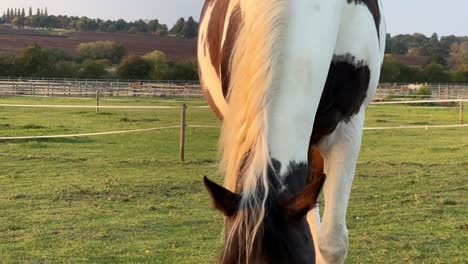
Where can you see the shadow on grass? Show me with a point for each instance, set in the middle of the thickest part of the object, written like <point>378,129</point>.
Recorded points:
<point>32,126</point>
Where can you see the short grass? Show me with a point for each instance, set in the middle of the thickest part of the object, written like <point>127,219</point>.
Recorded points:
<point>127,198</point>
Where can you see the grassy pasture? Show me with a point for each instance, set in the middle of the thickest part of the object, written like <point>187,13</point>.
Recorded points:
<point>127,198</point>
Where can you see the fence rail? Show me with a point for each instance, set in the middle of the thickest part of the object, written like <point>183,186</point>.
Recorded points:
<point>88,88</point>
<point>183,123</point>
<point>108,88</point>
<point>438,91</point>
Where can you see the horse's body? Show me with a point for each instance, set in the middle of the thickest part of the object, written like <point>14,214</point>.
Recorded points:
<point>286,77</point>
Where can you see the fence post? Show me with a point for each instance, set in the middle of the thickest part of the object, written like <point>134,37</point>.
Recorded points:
<point>461,110</point>
<point>97,102</point>
<point>182,132</point>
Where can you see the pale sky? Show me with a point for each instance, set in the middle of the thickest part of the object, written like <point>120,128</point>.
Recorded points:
<point>403,16</point>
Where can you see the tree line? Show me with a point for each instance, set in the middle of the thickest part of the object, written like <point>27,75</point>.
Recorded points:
<point>42,20</point>
<point>95,60</point>
<point>447,59</point>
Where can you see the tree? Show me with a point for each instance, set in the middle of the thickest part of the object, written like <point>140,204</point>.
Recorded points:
<point>7,64</point>
<point>30,12</point>
<point>458,54</point>
<point>390,70</point>
<point>133,30</point>
<point>435,73</point>
<point>177,28</point>
<point>46,13</point>
<point>395,71</point>
<point>190,29</point>
<point>111,28</point>
<point>153,25</point>
<point>162,31</point>
<point>92,70</point>
<point>18,22</point>
<point>141,26</point>
<point>159,63</point>
<point>33,61</point>
<point>399,47</point>
<point>134,67</point>
<point>66,69</point>
<point>183,70</point>
<point>460,74</point>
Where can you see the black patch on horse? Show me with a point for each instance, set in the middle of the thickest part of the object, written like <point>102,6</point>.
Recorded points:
<point>373,6</point>
<point>344,93</point>
<point>281,241</point>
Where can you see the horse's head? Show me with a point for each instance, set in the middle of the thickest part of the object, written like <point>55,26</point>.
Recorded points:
<point>282,235</point>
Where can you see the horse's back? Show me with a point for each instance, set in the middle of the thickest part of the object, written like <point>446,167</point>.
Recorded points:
<point>358,53</point>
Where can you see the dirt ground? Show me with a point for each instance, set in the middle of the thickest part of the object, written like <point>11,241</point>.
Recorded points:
<point>14,40</point>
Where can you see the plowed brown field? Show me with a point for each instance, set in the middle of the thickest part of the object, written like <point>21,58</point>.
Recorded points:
<point>15,40</point>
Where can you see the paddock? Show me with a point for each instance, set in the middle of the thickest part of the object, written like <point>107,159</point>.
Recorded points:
<point>127,197</point>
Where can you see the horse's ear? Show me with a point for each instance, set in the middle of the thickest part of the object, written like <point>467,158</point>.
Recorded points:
<point>223,199</point>
<point>303,202</point>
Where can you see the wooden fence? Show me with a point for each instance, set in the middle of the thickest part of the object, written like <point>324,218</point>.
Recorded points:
<point>439,91</point>
<point>88,88</point>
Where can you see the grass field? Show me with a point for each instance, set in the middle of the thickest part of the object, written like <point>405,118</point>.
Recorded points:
<point>127,198</point>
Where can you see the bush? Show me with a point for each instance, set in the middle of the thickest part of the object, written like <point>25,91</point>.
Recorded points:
<point>159,64</point>
<point>7,64</point>
<point>435,73</point>
<point>102,50</point>
<point>66,69</point>
<point>92,70</point>
<point>182,70</point>
<point>33,61</point>
<point>134,67</point>
<point>424,92</point>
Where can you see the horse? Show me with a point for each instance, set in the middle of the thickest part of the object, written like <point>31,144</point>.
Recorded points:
<point>291,81</point>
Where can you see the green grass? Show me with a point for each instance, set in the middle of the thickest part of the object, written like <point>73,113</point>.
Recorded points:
<point>127,198</point>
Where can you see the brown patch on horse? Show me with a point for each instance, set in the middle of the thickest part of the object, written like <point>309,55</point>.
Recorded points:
<point>209,98</point>
<point>305,201</point>
<point>220,53</point>
<point>215,31</point>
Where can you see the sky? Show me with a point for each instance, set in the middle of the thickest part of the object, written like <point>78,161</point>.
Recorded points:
<point>403,16</point>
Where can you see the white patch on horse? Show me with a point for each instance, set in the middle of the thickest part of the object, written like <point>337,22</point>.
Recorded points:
<point>361,42</point>
<point>307,57</point>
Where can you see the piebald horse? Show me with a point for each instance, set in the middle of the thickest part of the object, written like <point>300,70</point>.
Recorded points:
<point>291,81</point>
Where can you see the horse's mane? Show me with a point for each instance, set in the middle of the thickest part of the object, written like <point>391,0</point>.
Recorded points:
<point>254,63</point>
